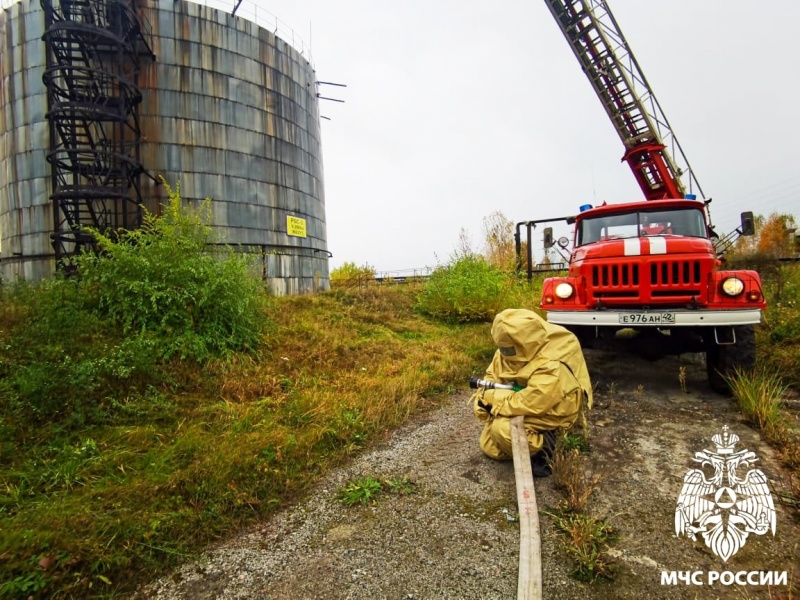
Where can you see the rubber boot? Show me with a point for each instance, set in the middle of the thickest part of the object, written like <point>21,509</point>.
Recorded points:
<point>540,462</point>
<point>540,466</point>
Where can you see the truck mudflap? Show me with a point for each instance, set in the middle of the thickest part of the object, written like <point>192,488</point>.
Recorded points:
<point>655,318</point>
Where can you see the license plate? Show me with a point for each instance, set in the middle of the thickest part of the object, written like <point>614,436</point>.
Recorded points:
<point>648,318</point>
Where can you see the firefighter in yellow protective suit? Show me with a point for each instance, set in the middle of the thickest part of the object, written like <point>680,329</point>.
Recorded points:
<point>545,362</point>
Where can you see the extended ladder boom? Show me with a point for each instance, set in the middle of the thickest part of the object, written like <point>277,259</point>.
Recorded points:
<point>615,75</point>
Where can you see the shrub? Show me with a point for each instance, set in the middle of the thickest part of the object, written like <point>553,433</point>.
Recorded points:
<point>351,275</point>
<point>163,281</point>
<point>73,345</point>
<point>467,289</point>
<point>779,332</point>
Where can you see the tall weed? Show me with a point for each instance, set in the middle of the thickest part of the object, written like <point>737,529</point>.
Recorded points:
<point>468,289</point>
<point>759,396</point>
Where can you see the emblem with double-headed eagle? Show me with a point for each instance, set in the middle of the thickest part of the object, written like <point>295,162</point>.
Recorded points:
<point>724,508</point>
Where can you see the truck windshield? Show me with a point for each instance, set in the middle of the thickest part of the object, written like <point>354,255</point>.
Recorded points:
<point>680,221</point>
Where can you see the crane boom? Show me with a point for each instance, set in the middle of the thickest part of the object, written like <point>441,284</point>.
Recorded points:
<point>612,69</point>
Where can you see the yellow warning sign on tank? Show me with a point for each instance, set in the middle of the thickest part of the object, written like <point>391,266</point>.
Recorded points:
<point>296,226</point>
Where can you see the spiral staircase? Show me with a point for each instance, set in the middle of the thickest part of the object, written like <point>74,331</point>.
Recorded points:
<point>95,50</point>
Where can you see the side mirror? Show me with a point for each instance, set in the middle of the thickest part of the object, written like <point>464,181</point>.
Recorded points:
<point>748,224</point>
<point>563,242</point>
<point>548,237</point>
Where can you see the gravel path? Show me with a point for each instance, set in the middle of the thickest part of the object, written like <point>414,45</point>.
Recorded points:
<point>456,536</point>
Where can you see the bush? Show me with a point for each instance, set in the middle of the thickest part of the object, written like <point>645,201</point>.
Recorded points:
<point>351,275</point>
<point>72,346</point>
<point>779,332</point>
<point>162,281</point>
<point>468,289</point>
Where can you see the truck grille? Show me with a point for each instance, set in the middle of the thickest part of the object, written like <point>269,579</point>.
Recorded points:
<point>604,276</point>
<point>671,273</point>
<point>661,279</point>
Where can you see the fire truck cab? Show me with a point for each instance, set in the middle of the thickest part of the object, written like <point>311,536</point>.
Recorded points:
<point>647,274</point>
<point>652,271</point>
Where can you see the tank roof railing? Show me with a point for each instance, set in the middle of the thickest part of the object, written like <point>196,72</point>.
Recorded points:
<point>255,13</point>
<point>251,11</point>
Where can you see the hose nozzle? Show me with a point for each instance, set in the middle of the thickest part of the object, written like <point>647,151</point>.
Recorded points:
<point>475,383</point>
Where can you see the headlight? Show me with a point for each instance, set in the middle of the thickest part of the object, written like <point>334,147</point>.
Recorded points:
<point>733,286</point>
<point>564,290</point>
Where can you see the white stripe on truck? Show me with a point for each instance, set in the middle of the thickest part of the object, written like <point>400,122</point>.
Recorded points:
<point>658,245</point>
<point>633,247</point>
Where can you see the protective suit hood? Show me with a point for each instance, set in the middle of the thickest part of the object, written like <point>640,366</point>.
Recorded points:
<point>530,336</point>
<point>522,336</point>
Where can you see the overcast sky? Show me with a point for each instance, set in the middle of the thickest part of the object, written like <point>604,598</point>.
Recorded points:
<point>458,108</point>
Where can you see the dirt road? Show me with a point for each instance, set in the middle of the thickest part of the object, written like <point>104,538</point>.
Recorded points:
<point>456,536</point>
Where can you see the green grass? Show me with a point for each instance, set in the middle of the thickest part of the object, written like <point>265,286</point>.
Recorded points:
<point>778,336</point>
<point>399,485</point>
<point>759,395</point>
<point>361,491</point>
<point>118,459</point>
<point>368,489</point>
<point>575,441</point>
<point>167,468</point>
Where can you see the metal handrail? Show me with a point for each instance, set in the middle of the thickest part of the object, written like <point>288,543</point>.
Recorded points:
<point>251,11</point>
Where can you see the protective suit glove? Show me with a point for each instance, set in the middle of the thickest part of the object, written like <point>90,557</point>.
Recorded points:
<point>481,409</point>
<point>495,399</point>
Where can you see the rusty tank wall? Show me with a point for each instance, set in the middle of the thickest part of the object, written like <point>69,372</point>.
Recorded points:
<point>26,215</point>
<point>231,112</point>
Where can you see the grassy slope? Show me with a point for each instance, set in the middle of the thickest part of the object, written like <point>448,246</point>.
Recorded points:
<point>96,513</point>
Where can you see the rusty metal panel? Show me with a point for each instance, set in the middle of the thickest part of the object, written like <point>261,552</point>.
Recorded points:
<point>228,109</point>
<point>25,209</point>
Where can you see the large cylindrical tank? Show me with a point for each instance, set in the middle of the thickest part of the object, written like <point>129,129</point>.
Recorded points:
<point>26,215</point>
<point>228,109</point>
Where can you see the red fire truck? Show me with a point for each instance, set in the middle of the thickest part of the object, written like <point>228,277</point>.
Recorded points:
<point>646,274</point>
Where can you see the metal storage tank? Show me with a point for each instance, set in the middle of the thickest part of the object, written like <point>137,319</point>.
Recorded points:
<point>226,108</point>
<point>26,220</point>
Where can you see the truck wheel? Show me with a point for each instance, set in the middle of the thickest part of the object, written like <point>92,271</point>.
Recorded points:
<point>722,360</point>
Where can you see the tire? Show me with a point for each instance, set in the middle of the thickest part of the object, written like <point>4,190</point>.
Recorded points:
<point>723,360</point>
